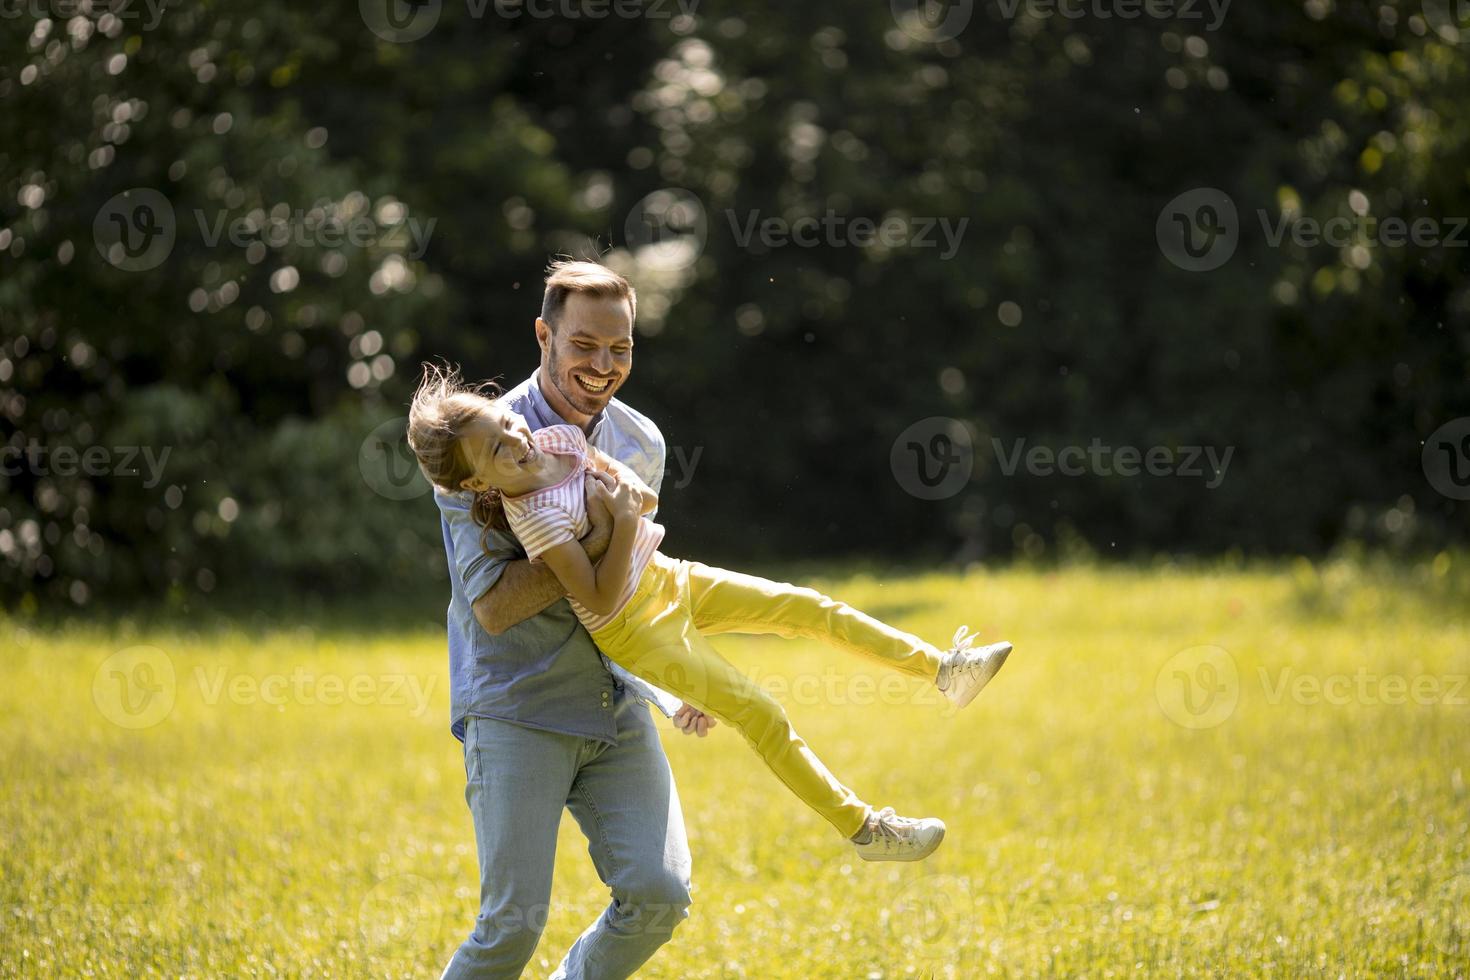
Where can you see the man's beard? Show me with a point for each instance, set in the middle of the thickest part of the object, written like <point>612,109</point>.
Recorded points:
<point>580,398</point>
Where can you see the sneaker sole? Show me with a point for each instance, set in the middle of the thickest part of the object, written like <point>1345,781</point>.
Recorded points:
<point>1000,661</point>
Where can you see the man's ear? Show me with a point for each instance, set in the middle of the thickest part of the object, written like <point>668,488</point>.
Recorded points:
<point>543,335</point>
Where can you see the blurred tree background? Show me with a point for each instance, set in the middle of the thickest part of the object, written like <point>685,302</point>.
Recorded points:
<point>270,364</point>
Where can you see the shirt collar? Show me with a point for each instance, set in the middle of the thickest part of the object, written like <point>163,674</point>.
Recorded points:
<point>548,415</point>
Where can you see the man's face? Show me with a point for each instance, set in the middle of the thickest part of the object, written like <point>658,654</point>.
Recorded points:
<point>589,353</point>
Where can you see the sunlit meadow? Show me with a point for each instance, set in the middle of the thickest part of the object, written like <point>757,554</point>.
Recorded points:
<point>1196,770</point>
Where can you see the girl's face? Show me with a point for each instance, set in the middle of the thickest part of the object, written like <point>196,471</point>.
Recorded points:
<point>498,447</point>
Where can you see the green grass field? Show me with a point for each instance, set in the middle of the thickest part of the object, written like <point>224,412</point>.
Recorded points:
<point>1257,772</point>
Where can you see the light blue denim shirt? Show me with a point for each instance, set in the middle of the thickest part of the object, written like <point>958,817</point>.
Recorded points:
<point>544,672</point>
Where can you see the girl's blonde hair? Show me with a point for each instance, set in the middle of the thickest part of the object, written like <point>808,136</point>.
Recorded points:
<point>442,407</point>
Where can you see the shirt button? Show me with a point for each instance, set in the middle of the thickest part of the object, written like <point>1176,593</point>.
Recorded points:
<point>607,699</point>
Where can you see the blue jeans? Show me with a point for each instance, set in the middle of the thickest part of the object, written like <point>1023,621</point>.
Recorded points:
<point>622,796</point>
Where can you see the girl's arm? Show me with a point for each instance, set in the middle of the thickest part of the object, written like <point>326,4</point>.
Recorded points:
<point>603,463</point>
<point>599,588</point>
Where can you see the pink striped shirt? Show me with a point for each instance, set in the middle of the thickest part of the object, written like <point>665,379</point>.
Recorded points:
<point>554,515</point>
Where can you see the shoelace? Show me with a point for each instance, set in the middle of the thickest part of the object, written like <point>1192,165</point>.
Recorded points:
<point>961,642</point>
<point>893,834</point>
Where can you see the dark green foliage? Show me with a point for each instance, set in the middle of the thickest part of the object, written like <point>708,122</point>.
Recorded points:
<point>263,368</point>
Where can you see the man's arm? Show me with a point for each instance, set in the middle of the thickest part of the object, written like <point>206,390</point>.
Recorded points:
<point>525,590</point>
<point>522,591</point>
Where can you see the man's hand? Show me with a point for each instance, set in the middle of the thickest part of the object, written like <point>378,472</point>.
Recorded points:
<point>691,721</point>
<point>598,516</point>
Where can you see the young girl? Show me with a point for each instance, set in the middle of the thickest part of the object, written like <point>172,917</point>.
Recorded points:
<point>651,613</point>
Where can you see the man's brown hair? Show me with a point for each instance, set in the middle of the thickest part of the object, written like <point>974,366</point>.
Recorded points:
<point>565,276</point>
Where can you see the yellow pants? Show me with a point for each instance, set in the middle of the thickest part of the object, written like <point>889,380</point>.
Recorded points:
<point>660,636</point>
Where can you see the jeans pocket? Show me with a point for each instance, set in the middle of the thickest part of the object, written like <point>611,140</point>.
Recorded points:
<point>471,749</point>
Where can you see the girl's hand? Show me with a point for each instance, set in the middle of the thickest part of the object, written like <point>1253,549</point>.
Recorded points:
<point>599,519</point>
<point>625,502</point>
<point>598,489</point>
<point>598,485</point>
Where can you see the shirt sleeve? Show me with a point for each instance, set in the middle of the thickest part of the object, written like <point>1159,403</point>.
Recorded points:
<point>564,439</point>
<point>660,453</point>
<point>542,529</point>
<point>476,569</point>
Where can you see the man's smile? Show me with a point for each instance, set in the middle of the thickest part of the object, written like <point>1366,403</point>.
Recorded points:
<point>592,384</point>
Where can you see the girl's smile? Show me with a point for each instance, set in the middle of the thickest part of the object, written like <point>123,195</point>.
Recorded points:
<point>502,455</point>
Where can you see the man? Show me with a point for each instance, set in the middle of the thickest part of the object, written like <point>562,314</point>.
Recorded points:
<point>546,721</point>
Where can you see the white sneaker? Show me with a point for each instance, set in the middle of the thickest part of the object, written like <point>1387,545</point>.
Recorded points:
<point>895,838</point>
<point>966,670</point>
